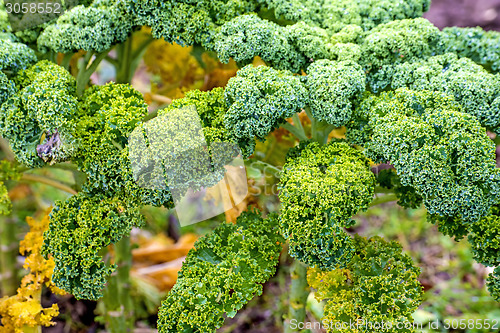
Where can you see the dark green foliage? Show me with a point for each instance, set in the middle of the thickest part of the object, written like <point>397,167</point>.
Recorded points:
<point>485,239</point>
<point>493,283</point>
<point>145,196</point>
<point>189,22</point>
<point>37,120</point>
<point>322,187</point>
<point>335,14</point>
<point>407,197</point>
<point>15,57</point>
<point>259,100</point>
<point>94,28</point>
<point>221,274</point>
<point>481,46</point>
<point>211,107</point>
<point>107,116</point>
<point>444,154</point>
<point>310,41</point>
<point>7,88</point>
<point>170,151</point>
<point>472,86</point>
<point>248,36</point>
<point>334,88</point>
<point>393,43</point>
<point>453,226</point>
<point>222,148</point>
<point>379,285</point>
<point>79,229</point>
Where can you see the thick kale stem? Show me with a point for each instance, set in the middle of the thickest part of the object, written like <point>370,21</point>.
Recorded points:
<point>66,60</point>
<point>124,56</point>
<point>384,199</point>
<point>47,181</point>
<point>86,71</point>
<point>320,130</point>
<point>297,123</point>
<point>299,291</point>
<point>295,131</point>
<point>112,61</point>
<point>8,254</point>
<point>138,53</point>
<point>128,59</point>
<point>118,303</point>
<point>307,110</point>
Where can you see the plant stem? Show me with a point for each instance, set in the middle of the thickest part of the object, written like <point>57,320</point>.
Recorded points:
<point>384,199</point>
<point>297,123</point>
<point>8,255</point>
<point>295,131</point>
<point>299,290</point>
<point>118,303</point>
<point>138,53</point>
<point>47,181</point>
<point>308,112</point>
<point>124,57</point>
<point>66,60</point>
<point>86,71</point>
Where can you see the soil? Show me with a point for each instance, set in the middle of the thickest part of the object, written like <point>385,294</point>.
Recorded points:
<point>465,13</point>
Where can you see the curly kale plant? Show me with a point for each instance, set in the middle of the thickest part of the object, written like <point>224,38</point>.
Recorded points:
<point>79,229</point>
<point>322,188</point>
<point>378,285</point>
<point>418,100</point>
<point>222,273</point>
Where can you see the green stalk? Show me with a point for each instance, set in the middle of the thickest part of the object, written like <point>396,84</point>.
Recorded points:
<point>299,291</point>
<point>47,181</point>
<point>313,121</point>
<point>86,71</point>
<point>8,254</point>
<point>124,57</point>
<point>127,60</point>
<point>295,131</point>
<point>66,60</point>
<point>118,303</point>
